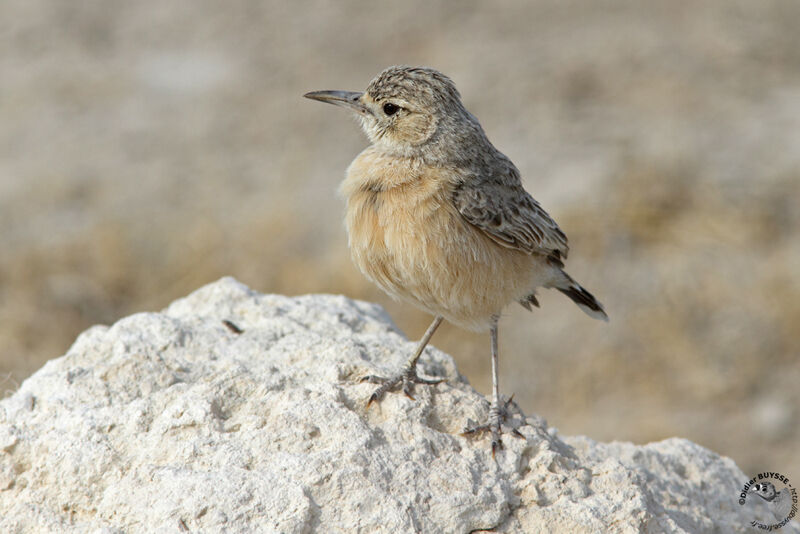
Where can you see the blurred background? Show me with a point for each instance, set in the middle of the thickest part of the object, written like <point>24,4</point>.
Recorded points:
<point>147,148</point>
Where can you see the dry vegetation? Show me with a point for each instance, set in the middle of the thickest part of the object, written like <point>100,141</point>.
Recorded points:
<point>147,148</point>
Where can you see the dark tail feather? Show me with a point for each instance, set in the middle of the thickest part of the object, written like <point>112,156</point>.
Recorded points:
<point>527,301</point>
<point>584,300</point>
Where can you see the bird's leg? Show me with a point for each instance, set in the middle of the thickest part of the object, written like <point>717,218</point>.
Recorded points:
<point>408,375</point>
<point>497,413</point>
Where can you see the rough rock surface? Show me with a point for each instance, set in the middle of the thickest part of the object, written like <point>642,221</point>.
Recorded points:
<point>173,422</point>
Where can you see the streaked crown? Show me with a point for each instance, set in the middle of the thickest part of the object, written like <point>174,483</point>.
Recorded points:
<point>421,85</point>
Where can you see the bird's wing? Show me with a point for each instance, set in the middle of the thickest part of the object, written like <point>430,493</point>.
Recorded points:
<point>783,504</point>
<point>500,207</point>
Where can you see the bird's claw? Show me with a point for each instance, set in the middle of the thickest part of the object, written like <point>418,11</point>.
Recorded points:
<point>404,380</point>
<point>497,415</point>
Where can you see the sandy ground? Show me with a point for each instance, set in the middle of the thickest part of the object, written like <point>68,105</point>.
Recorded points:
<point>149,147</point>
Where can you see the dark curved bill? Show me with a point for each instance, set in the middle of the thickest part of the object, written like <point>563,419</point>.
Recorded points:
<point>348,99</point>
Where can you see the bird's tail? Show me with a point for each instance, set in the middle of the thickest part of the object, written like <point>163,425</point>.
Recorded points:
<point>582,298</point>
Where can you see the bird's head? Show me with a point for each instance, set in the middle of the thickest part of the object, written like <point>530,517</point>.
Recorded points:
<point>406,111</point>
<point>765,490</point>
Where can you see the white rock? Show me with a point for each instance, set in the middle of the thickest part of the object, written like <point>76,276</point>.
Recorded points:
<point>172,422</point>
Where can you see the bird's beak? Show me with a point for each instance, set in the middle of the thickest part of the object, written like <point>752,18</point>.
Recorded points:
<point>348,99</point>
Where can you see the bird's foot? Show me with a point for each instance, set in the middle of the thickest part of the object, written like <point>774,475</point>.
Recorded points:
<point>498,413</point>
<point>403,380</point>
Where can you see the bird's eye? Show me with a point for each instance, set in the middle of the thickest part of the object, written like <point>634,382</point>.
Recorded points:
<point>390,109</point>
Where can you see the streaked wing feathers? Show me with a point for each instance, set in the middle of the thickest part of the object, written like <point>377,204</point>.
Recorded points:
<point>510,216</point>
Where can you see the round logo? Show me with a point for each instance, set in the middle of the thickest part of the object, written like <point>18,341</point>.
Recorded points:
<point>770,499</point>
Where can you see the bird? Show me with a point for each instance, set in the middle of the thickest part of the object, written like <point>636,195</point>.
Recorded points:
<point>437,217</point>
<point>779,502</point>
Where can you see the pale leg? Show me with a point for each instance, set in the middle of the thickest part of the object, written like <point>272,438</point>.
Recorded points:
<point>408,375</point>
<point>497,413</point>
